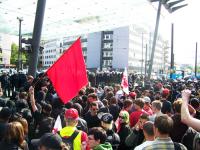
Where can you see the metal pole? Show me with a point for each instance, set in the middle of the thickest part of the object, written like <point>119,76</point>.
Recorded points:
<point>33,60</point>
<point>20,45</point>
<point>154,39</point>
<point>196,61</point>
<point>142,54</point>
<point>145,69</point>
<point>172,51</point>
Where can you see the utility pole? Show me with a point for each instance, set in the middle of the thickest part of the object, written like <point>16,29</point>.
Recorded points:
<point>171,7</point>
<point>154,39</point>
<point>172,51</point>
<point>20,45</point>
<point>145,69</point>
<point>196,60</point>
<point>33,60</point>
<point>142,53</point>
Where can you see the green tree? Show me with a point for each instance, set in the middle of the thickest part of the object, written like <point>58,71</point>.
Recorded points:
<point>14,55</point>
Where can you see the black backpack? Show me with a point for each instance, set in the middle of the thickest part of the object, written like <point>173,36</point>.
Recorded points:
<point>191,139</point>
<point>177,146</point>
<point>70,140</point>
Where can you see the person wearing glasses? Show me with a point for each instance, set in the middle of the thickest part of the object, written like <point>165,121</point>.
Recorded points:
<point>123,129</point>
<point>91,116</point>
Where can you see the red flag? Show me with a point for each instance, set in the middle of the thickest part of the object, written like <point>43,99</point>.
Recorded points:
<point>68,74</point>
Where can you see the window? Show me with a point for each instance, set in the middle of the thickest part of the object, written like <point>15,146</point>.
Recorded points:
<point>107,62</point>
<point>107,45</point>
<point>107,36</point>
<point>107,54</point>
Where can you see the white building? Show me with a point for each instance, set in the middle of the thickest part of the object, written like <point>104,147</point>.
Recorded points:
<point>6,41</point>
<point>53,49</point>
<point>122,47</point>
<point>128,46</point>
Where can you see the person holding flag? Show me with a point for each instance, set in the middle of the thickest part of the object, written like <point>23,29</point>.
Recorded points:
<point>68,74</point>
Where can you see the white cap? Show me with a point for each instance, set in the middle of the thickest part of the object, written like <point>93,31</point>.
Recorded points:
<point>147,99</point>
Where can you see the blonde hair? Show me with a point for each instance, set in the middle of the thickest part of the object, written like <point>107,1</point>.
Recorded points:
<point>24,124</point>
<point>15,132</point>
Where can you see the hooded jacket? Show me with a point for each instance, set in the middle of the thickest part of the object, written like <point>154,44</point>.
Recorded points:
<point>105,146</point>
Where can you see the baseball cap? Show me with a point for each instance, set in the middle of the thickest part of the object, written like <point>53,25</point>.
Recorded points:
<point>71,114</point>
<point>49,140</point>
<point>132,94</point>
<point>165,91</point>
<point>147,99</point>
<point>106,117</point>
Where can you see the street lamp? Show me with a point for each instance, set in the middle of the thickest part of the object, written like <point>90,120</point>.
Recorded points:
<point>20,45</point>
<point>195,70</point>
<point>171,7</point>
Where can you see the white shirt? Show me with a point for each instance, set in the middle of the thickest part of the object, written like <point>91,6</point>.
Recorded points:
<point>141,146</point>
<point>119,94</point>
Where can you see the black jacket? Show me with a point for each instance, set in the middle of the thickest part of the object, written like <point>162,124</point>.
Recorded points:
<point>113,138</point>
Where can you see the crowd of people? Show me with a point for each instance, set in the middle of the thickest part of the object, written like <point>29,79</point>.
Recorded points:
<point>155,114</point>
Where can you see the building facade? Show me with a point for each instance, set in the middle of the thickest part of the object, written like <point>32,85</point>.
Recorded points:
<point>128,46</point>
<point>6,41</point>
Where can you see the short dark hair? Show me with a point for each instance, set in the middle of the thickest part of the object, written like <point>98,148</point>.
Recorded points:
<point>113,100</point>
<point>99,134</point>
<point>144,116</point>
<point>127,103</point>
<point>148,128</point>
<point>93,95</point>
<point>164,124</point>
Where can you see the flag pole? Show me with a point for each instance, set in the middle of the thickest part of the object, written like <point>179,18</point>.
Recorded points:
<point>33,85</point>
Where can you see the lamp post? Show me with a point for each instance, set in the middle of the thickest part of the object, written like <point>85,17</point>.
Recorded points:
<point>145,69</point>
<point>172,51</point>
<point>142,53</point>
<point>20,45</point>
<point>171,7</point>
<point>196,60</point>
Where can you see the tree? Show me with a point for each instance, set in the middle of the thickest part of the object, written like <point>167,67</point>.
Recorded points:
<point>14,55</point>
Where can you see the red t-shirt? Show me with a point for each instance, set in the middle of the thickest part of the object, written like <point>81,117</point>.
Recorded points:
<point>135,116</point>
<point>148,110</point>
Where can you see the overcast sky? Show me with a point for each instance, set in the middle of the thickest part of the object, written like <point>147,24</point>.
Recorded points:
<point>186,31</point>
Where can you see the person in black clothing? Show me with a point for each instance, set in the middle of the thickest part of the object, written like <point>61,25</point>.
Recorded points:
<point>5,114</point>
<point>136,137</point>
<point>14,82</point>
<point>114,108</point>
<point>22,80</point>
<point>107,124</point>
<point>91,116</point>
<point>40,117</point>
<point>123,129</point>
<point>5,84</point>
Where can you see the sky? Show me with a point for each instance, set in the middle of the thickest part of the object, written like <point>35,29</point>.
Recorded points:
<point>186,32</point>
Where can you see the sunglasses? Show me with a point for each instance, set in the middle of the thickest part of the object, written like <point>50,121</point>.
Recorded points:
<point>94,109</point>
<point>122,117</point>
